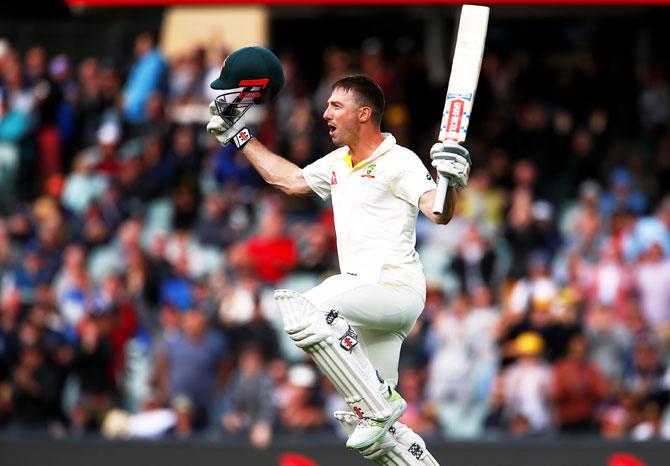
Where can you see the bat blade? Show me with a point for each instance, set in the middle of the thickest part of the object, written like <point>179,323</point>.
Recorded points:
<point>463,79</point>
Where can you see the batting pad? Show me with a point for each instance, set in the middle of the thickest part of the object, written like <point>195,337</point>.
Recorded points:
<point>333,345</point>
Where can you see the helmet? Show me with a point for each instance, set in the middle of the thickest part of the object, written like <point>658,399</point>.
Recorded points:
<point>250,75</point>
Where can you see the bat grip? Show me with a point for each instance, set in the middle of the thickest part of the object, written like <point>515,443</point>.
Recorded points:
<point>440,195</point>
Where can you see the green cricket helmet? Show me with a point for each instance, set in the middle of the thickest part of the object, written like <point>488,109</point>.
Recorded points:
<point>250,75</point>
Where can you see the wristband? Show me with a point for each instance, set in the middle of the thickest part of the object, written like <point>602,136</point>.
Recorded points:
<point>242,138</point>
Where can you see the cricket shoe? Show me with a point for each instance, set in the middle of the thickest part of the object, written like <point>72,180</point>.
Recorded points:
<point>368,431</point>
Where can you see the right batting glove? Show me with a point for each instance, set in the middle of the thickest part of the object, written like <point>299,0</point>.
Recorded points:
<point>452,161</point>
<point>224,132</point>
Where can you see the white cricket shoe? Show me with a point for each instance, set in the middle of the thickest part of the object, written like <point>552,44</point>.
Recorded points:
<point>368,431</point>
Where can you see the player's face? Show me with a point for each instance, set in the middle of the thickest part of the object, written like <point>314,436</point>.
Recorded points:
<point>341,115</point>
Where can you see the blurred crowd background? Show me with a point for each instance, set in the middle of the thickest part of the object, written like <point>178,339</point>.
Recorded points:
<point>138,258</point>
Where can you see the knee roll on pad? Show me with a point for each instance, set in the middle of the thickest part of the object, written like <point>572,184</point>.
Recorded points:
<point>302,322</point>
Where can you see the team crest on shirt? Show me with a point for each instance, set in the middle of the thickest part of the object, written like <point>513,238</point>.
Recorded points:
<point>368,172</point>
<point>333,178</point>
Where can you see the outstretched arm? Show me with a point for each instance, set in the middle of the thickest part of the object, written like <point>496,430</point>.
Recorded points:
<point>276,170</point>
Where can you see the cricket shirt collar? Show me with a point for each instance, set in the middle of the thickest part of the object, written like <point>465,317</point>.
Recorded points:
<point>386,145</point>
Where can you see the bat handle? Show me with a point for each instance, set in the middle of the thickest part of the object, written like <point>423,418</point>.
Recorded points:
<point>440,195</point>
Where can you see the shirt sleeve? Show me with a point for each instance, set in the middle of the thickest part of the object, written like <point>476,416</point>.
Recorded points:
<point>413,181</point>
<point>317,175</point>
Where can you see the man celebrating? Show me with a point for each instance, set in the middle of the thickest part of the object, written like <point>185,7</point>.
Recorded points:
<point>353,324</point>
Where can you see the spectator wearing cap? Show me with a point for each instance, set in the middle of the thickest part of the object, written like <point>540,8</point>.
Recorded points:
<point>29,274</point>
<point>622,194</point>
<point>84,184</point>
<point>192,363</point>
<point>109,137</point>
<point>300,410</point>
<point>527,387</point>
<point>648,231</point>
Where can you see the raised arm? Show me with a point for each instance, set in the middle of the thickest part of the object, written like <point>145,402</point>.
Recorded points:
<point>275,170</point>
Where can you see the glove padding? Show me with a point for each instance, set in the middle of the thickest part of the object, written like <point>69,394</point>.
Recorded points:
<point>224,132</point>
<point>452,161</point>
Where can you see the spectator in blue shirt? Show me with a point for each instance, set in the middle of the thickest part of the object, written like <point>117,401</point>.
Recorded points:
<point>148,75</point>
<point>192,364</point>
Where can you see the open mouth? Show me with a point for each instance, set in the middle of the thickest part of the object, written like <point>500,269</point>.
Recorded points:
<point>331,129</point>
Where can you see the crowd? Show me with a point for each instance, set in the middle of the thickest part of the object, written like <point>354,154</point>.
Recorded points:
<point>138,258</point>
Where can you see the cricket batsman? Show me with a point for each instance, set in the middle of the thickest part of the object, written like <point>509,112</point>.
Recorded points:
<point>353,324</point>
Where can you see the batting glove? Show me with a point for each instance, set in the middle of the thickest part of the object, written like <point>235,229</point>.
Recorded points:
<point>238,132</point>
<point>452,161</point>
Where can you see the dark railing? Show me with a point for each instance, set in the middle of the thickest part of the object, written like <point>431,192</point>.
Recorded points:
<point>322,451</point>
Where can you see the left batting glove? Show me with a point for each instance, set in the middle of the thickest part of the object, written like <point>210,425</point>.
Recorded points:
<point>238,133</point>
<point>452,161</point>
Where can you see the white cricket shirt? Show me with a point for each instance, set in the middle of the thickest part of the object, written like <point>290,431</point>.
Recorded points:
<point>375,204</point>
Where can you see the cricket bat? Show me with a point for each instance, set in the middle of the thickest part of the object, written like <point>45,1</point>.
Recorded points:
<point>462,84</point>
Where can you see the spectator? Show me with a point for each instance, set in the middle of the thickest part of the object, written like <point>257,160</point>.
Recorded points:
<point>92,364</point>
<point>270,254</point>
<point>527,387</point>
<point>653,284</point>
<point>299,411</point>
<point>34,391</point>
<point>648,231</point>
<point>192,363</point>
<point>475,261</point>
<point>610,342</point>
<point>14,126</point>
<point>257,331</point>
<point>146,77</point>
<point>83,185</point>
<point>611,280</point>
<point>460,365</point>
<point>418,415</point>
<point>213,227</point>
<point>622,194</point>
<point>249,399</point>
<point>578,389</point>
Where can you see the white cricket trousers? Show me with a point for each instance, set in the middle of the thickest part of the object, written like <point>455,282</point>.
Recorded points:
<point>382,312</point>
